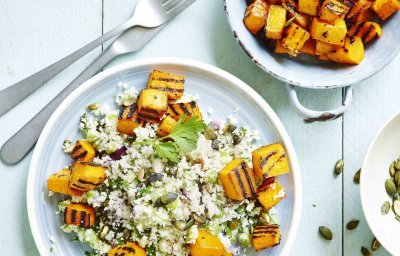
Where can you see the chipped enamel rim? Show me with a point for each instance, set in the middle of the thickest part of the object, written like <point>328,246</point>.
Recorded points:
<point>207,70</point>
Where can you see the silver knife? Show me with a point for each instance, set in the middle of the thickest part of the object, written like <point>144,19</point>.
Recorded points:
<point>15,149</point>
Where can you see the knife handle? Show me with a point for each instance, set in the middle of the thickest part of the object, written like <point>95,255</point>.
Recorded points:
<point>21,142</point>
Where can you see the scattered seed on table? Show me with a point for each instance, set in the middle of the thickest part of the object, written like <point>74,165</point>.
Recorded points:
<point>375,245</point>
<point>385,208</point>
<point>339,167</point>
<point>365,251</point>
<point>356,178</point>
<point>325,232</point>
<point>352,224</point>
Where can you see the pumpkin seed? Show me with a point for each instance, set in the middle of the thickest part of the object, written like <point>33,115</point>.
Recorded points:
<point>396,196</point>
<point>141,175</point>
<point>199,219</point>
<point>237,138</point>
<point>339,167</point>
<point>180,225</point>
<point>356,178</point>
<point>375,245</point>
<point>397,178</point>
<point>94,106</point>
<point>396,207</point>
<point>169,198</point>
<point>290,21</point>
<point>209,132</point>
<point>155,177</point>
<point>397,165</point>
<point>390,187</point>
<point>104,231</point>
<point>352,224</point>
<point>385,208</point>
<point>398,218</point>
<point>392,170</point>
<point>233,224</point>
<point>229,128</point>
<point>365,251</point>
<point>189,224</point>
<point>325,232</point>
<point>215,144</point>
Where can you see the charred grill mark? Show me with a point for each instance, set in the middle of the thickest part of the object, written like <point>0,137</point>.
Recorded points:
<point>325,34</point>
<point>367,33</point>
<point>264,161</point>
<point>167,89</point>
<point>172,107</point>
<point>88,182</point>
<point>76,148</point>
<point>249,180</point>
<point>148,117</point>
<point>82,222</point>
<point>73,216</point>
<point>131,111</point>
<point>65,215</point>
<point>169,80</point>
<point>184,108</point>
<point>121,112</point>
<point>81,155</point>
<point>91,164</point>
<point>192,104</point>
<point>149,111</point>
<point>237,174</point>
<point>264,186</point>
<point>359,27</point>
<point>128,249</point>
<point>334,8</point>
<point>261,233</point>
<point>77,186</point>
<point>280,158</point>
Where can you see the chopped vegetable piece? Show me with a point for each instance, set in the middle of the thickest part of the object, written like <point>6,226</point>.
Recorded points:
<point>177,110</point>
<point>255,16</point>
<point>266,236</point>
<point>308,47</point>
<point>166,126</point>
<point>270,193</point>
<point>359,7</point>
<point>172,84</point>
<point>276,20</point>
<point>81,215</point>
<point>58,183</point>
<point>332,10</point>
<point>86,176</point>
<point>83,151</point>
<point>294,38</point>
<point>130,249</point>
<point>152,105</point>
<point>351,53</point>
<point>128,120</point>
<point>309,7</point>
<point>300,18</point>
<point>324,48</point>
<point>269,161</point>
<point>207,244</point>
<point>328,33</point>
<point>385,8</point>
<point>366,31</point>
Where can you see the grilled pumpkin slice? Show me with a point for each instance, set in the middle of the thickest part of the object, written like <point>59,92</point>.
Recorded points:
<point>363,16</point>
<point>238,180</point>
<point>58,183</point>
<point>322,48</point>
<point>207,245</point>
<point>152,105</point>
<point>270,193</point>
<point>367,31</point>
<point>83,151</point>
<point>359,7</point>
<point>328,33</point>
<point>276,19</point>
<point>172,84</point>
<point>309,7</point>
<point>269,161</point>
<point>81,215</point>
<point>266,236</point>
<point>309,47</point>
<point>86,176</point>
<point>128,120</point>
<point>294,38</point>
<point>254,18</point>
<point>332,10</point>
<point>177,110</point>
<point>385,8</point>
<point>166,126</point>
<point>292,8</point>
<point>130,249</point>
<point>351,53</point>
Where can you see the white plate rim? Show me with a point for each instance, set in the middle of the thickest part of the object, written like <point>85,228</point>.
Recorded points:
<point>363,184</point>
<point>280,129</point>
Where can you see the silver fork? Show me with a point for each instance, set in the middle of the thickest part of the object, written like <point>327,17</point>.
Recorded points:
<point>148,13</point>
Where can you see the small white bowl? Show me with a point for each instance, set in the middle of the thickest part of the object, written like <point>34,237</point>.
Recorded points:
<point>383,150</point>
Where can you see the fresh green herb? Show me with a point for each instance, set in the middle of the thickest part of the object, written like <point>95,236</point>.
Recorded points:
<point>184,137</point>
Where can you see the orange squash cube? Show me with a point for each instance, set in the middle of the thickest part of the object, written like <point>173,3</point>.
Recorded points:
<point>359,7</point>
<point>128,120</point>
<point>270,193</point>
<point>81,215</point>
<point>269,161</point>
<point>328,33</point>
<point>294,38</point>
<point>385,8</point>
<point>278,48</point>
<point>322,48</point>
<point>207,244</point>
<point>130,249</point>
<point>309,7</point>
<point>266,236</point>
<point>59,183</point>
<point>300,18</point>
<point>332,10</point>
<point>172,84</point>
<point>366,31</point>
<point>255,16</point>
<point>276,19</point>
<point>152,105</point>
<point>83,151</point>
<point>351,53</point>
<point>309,47</point>
<point>86,176</point>
<point>177,110</point>
<point>166,126</point>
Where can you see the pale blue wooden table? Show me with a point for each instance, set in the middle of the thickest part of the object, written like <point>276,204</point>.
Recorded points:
<point>37,33</point>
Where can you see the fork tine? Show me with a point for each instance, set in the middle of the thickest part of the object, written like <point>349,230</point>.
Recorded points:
<point>167,5</point>
<point>179,7</point>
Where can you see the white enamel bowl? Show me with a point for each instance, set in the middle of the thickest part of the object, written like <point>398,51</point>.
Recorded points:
<point>216,88</point>
<point>383,150</point>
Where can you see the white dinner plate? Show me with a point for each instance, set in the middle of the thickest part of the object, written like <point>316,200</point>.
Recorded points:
<point>216,88</point>
<point>383,150</point>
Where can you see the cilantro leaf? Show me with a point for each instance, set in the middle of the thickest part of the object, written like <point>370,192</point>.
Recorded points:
<point>167,150</point>
<point>186,134</point>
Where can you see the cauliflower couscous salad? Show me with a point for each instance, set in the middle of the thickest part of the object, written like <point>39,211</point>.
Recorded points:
<point>159,176</point>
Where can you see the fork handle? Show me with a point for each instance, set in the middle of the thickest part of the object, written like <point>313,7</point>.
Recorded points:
<point>21,143</point>
<point>14,94</point>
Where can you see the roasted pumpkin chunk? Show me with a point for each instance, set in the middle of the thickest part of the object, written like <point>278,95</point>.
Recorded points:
<point>266,236</point>
<point>278,47</point>
<point>58,183</point>
<point>366,31</point>
<point>255,16</point>
<point>207,244</point>
<point>128,120</point>
<point>177,110</point>
<point>363,16</point>
<point>172,84</point>
<point>309,47</point>
<point>300,18</point>
<point>309,7</point>
<point>83,151</point>
<point>351,53</point>
<point>81,215</point>
<point>269,161</point>
<point>385,8</point>
<point>270,193</point>
<point>328,33</point>
<point>322,48</point>
<point>238,180</point>
<point>86,176</point>
<point>276,19</point>
<point>130,249</point>
<point>166,126</point>
<point>332,10</point>
<point>294,38</point>
<point>359,7</point>
<point>152,105</point>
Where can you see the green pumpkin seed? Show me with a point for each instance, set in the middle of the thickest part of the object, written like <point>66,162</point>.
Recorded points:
<point>325,232</point>
<point>352,224</point>
<point>189,224</point>
<point>179,225</point>
<point>104,231</point>
<point>397,178</point>
<point>390,187</point>
<point>339,167</point>
<point>397,165</point>
<point>385,208</point>
<point>169,198</point>
<point>94,106</point>
<point>155,177</point>
<point>365,251</point>
<point>237,138</point>
<point>209,132</point>
<point>290,21</point>
<point>199,219</point>
<point>375,245</point>
<point>233,224</point>
<point>396,207</point>
<point>392,170</point>
<point>356,178</point>
<point>398,218</point>
<point>396,196</point>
